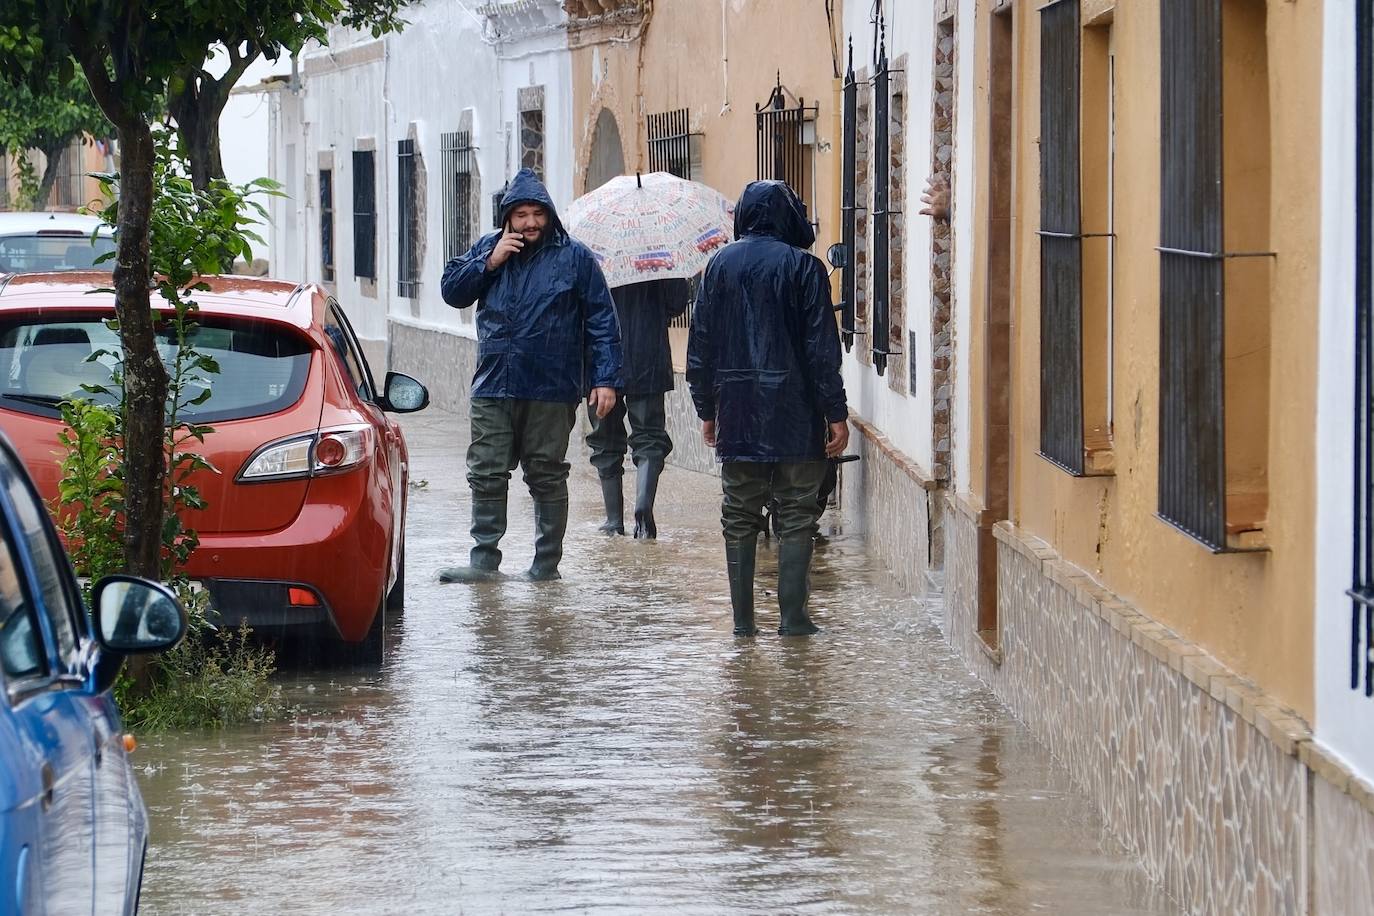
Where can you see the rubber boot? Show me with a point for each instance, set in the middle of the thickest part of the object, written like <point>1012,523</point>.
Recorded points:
<point>646,490</point>
<point>550,524</point>
<point>488,527</point>
<point>739,566</point>
<point>794,586</point>
<point>614,498</point>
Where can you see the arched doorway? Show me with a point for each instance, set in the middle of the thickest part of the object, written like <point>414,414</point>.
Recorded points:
<point>608,156</point>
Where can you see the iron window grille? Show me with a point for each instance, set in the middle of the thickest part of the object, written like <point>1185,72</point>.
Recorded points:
<point>1061,240</point>
<point>532,141</point>
<point>457,158</point>
<point>671,142</point>
<point>407,220</point>
<point>782,149</point>
<point>327,224</point>
<point>1362,590</point>
<point>848,205</point>
<point>365,214</point>
<point>1192,446</point>
<point>882,213</point>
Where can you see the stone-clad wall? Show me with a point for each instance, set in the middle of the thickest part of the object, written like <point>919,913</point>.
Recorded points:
<point>689,451</point>
<point>1218,791</point>
<point>889,498</point>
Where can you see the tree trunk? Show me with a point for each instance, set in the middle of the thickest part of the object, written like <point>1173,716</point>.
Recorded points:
<point>199,130</point>
<point>53,156</point>
<point>145,377</point>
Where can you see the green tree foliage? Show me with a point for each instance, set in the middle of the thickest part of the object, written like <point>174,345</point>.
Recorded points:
<point>207,679</point>
<point>129,51</point>
<point>196,97</point>
<point>46,116</point>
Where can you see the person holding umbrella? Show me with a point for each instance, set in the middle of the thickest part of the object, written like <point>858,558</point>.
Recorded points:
<point>650,233</point>
<point>763,363</point>
<point>547,335</point>
<point>644,311</point>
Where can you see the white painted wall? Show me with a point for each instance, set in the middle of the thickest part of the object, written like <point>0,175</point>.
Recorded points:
<point>966,169</point>
<point>905,418</point>
<point>1344,716</point>
<point>443,64</point>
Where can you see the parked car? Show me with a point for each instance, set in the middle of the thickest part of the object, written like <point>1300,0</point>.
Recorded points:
<point>52,241</point>
<point>73,829</point>
<point>304,528</point>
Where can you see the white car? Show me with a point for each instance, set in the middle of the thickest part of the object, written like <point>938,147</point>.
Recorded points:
<point>34,242</point>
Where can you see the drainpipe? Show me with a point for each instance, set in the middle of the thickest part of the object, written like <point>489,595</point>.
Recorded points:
<point>724,58</point>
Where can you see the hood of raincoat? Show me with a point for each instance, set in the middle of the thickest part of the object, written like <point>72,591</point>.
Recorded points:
<point>763,356</point>
<point>526,188</point>
<point>546,326</point>
<point>771,208</point>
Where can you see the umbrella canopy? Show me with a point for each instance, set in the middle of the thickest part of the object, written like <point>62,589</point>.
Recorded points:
<point>651,227</point>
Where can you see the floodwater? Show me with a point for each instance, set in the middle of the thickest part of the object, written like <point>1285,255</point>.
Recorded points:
<point>603,744</point>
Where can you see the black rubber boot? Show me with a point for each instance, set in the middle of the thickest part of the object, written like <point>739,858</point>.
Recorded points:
<point>794,587</point>
<point>550,524</point>
<point>646,490</point>
<point>614,497</point>
<point>488,527</point>
<point>739,566</point>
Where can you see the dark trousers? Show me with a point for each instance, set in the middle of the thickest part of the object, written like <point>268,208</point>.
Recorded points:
<point>648,437</point>
<point>532,434</point>
<point>748,485</point>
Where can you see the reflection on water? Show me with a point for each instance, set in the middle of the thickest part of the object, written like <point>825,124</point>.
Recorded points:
<point>603,744</point>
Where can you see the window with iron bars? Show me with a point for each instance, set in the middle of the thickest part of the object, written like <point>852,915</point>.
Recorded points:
<point>327,224</point>
<point>365,214</point>
<point>849,204</point>
<point>1362,589</point>
<point>407,219</point>
<point>1214,292</point>
<point>459,162</point>
<point>1061,240</point>
<point>785,143</point>
<point>671,143</point>
<point>882,215</point>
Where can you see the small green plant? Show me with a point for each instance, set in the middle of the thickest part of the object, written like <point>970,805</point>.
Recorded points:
<point>209,679</point>
<point>213,677</point>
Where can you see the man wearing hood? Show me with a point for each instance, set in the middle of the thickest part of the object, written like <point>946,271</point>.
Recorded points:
<point>763,364</point>
<point>546,333</point>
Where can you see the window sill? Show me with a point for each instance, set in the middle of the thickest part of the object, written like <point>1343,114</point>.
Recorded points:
<point>1246,515</point>
<point>1099,454</point>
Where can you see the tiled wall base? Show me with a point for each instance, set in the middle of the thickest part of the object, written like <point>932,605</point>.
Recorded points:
<point>1213,801</point>
<point>689,451</point>
<point>1342,851</point>
<point>890,502</point>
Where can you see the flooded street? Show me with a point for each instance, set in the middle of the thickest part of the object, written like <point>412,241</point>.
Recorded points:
<point>603,744</point>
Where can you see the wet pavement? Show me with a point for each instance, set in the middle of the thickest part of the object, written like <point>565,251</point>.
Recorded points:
<point>603,744</point>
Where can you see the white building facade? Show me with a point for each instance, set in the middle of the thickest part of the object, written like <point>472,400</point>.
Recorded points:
<point>392,152</point>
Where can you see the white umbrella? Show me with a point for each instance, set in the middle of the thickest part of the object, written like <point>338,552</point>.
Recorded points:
<point>651,227</point>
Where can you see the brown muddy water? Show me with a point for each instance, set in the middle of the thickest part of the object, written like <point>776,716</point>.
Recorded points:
<point>604,745</point>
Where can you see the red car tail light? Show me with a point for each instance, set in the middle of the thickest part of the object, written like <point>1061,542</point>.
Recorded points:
<point>302,597</point>
<point>328,451</point>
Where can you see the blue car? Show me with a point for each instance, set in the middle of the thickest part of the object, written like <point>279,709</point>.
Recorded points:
<point>73,829</point>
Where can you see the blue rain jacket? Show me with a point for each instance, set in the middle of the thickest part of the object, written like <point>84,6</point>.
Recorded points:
<point>763,358</point>
<point>546,326</point>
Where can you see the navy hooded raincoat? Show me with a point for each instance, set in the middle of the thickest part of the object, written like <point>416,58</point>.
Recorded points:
<point>763,359</point>
<point>546,326</point>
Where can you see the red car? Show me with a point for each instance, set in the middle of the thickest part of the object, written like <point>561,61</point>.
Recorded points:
<point>305,521</point>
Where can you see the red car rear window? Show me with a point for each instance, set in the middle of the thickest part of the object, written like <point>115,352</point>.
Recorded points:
<point>44,361</point>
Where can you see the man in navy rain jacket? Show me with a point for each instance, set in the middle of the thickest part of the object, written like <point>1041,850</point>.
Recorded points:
<point>763,363</point>
<point>546,333</point>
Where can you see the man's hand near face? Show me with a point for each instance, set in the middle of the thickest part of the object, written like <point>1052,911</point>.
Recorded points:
<point>509,244</point>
